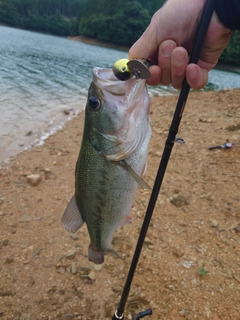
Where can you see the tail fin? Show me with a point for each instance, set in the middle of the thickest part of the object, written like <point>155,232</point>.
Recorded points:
<point>98,256</point>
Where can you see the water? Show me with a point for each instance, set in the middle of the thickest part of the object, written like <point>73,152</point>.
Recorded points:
<point>42,75</point>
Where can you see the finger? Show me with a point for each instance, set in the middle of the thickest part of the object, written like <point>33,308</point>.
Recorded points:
<point>196,77</point>
<point>164,60</point>
<point>146,46</point>
<point>179,62</point>
<point>155,75</point>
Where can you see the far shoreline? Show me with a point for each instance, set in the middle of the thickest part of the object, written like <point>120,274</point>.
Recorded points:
<point>97,42</point>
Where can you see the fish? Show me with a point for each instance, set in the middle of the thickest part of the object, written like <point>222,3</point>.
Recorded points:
<point>112,159</point>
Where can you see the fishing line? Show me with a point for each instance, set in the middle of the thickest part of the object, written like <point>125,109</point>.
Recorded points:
<point>173,130</point>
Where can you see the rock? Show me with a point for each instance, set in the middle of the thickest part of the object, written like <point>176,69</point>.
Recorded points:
<point>187,264</point>
<point>170,286</point>
<point>47,172</point>
<point>214,223</point>
<point>73,268</point>
<point>74,236</point>
<point>67,316</point>
<point>9,260</point>
<point>31,282</point>
<point>91,275</point>
<point>5,242</point>
<point>34,179</point>
<point>29,133</point>
<point>25,218</point>
<point>6,293</point>
<point>237,228</point>
<point>36,251</point>
<point>98,267</point>
<point>71,255</point>
<point>66,111</point>
<point>178,200</point>
<point>207,196</point>
<point>221,228</point>
<point>178,251</point>
<point>61,270</point>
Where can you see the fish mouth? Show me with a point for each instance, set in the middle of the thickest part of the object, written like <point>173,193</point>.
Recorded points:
<point>105,80</point>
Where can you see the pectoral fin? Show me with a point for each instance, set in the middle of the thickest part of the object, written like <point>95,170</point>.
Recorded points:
<point>72,219</point>
<point>143,184</point>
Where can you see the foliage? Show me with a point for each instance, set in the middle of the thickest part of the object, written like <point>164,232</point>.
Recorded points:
<point>232,52</point>
<point>203,272</point>
<point>124,27</point>
<point>59,17</point>
<point>9,14</point>
<point>51,24</point>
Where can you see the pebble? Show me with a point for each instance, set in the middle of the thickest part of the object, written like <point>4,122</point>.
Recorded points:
<point>178,200</point>
<point>61,270</point>
<point>36,251</point>
<point>73,268</point>
<point>214,223</point>
<point>67,317</point>
<point>5,242</point>
<point>74,236</point>
<point>71,255</point>
<point>237,228</point>
<point>9,260</point>
<point>66,111</point>
<point>98,267</point>
<point>6,293</point>
<point>170,286</point>
<point>92,276</point>
<point>25,218</point>
<point>187,264</point>
<point>34,179</point>
<point>206,196</point>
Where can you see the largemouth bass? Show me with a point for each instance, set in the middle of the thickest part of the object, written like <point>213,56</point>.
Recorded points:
<point>111,161</point>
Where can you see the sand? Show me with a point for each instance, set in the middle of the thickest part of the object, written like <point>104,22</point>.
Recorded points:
<point>190,263</point>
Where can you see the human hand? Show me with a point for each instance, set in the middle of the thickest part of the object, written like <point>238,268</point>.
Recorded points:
<point>168,41</point>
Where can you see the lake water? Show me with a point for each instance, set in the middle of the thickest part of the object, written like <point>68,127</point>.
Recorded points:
<point>43,75</point>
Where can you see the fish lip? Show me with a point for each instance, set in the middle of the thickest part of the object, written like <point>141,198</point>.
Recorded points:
<point>105,80</point>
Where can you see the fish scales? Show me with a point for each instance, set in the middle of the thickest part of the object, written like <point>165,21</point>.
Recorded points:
<point>115,137</point>
<point>106,191</point>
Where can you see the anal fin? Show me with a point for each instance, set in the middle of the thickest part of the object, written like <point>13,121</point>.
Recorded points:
<point>72,219</point>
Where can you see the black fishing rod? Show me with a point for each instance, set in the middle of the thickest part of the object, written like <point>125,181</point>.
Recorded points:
<point>171,139</point>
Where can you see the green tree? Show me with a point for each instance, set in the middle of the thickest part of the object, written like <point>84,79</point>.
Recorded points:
<point>122,28</point>
<point>232,53</point>
<point>9,14</point>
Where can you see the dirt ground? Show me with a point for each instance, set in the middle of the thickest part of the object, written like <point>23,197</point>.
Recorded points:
<point>190,263</point>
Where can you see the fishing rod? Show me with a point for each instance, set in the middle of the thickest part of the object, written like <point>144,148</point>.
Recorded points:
<point>171,139</point>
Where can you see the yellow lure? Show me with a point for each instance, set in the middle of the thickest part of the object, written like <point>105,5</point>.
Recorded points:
<point>121,69</point>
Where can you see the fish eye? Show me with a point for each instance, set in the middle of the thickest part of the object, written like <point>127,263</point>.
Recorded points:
<point>94,103</point>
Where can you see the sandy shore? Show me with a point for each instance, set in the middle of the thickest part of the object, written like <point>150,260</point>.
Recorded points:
<point>44,271</point>
<point>98,43</point>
